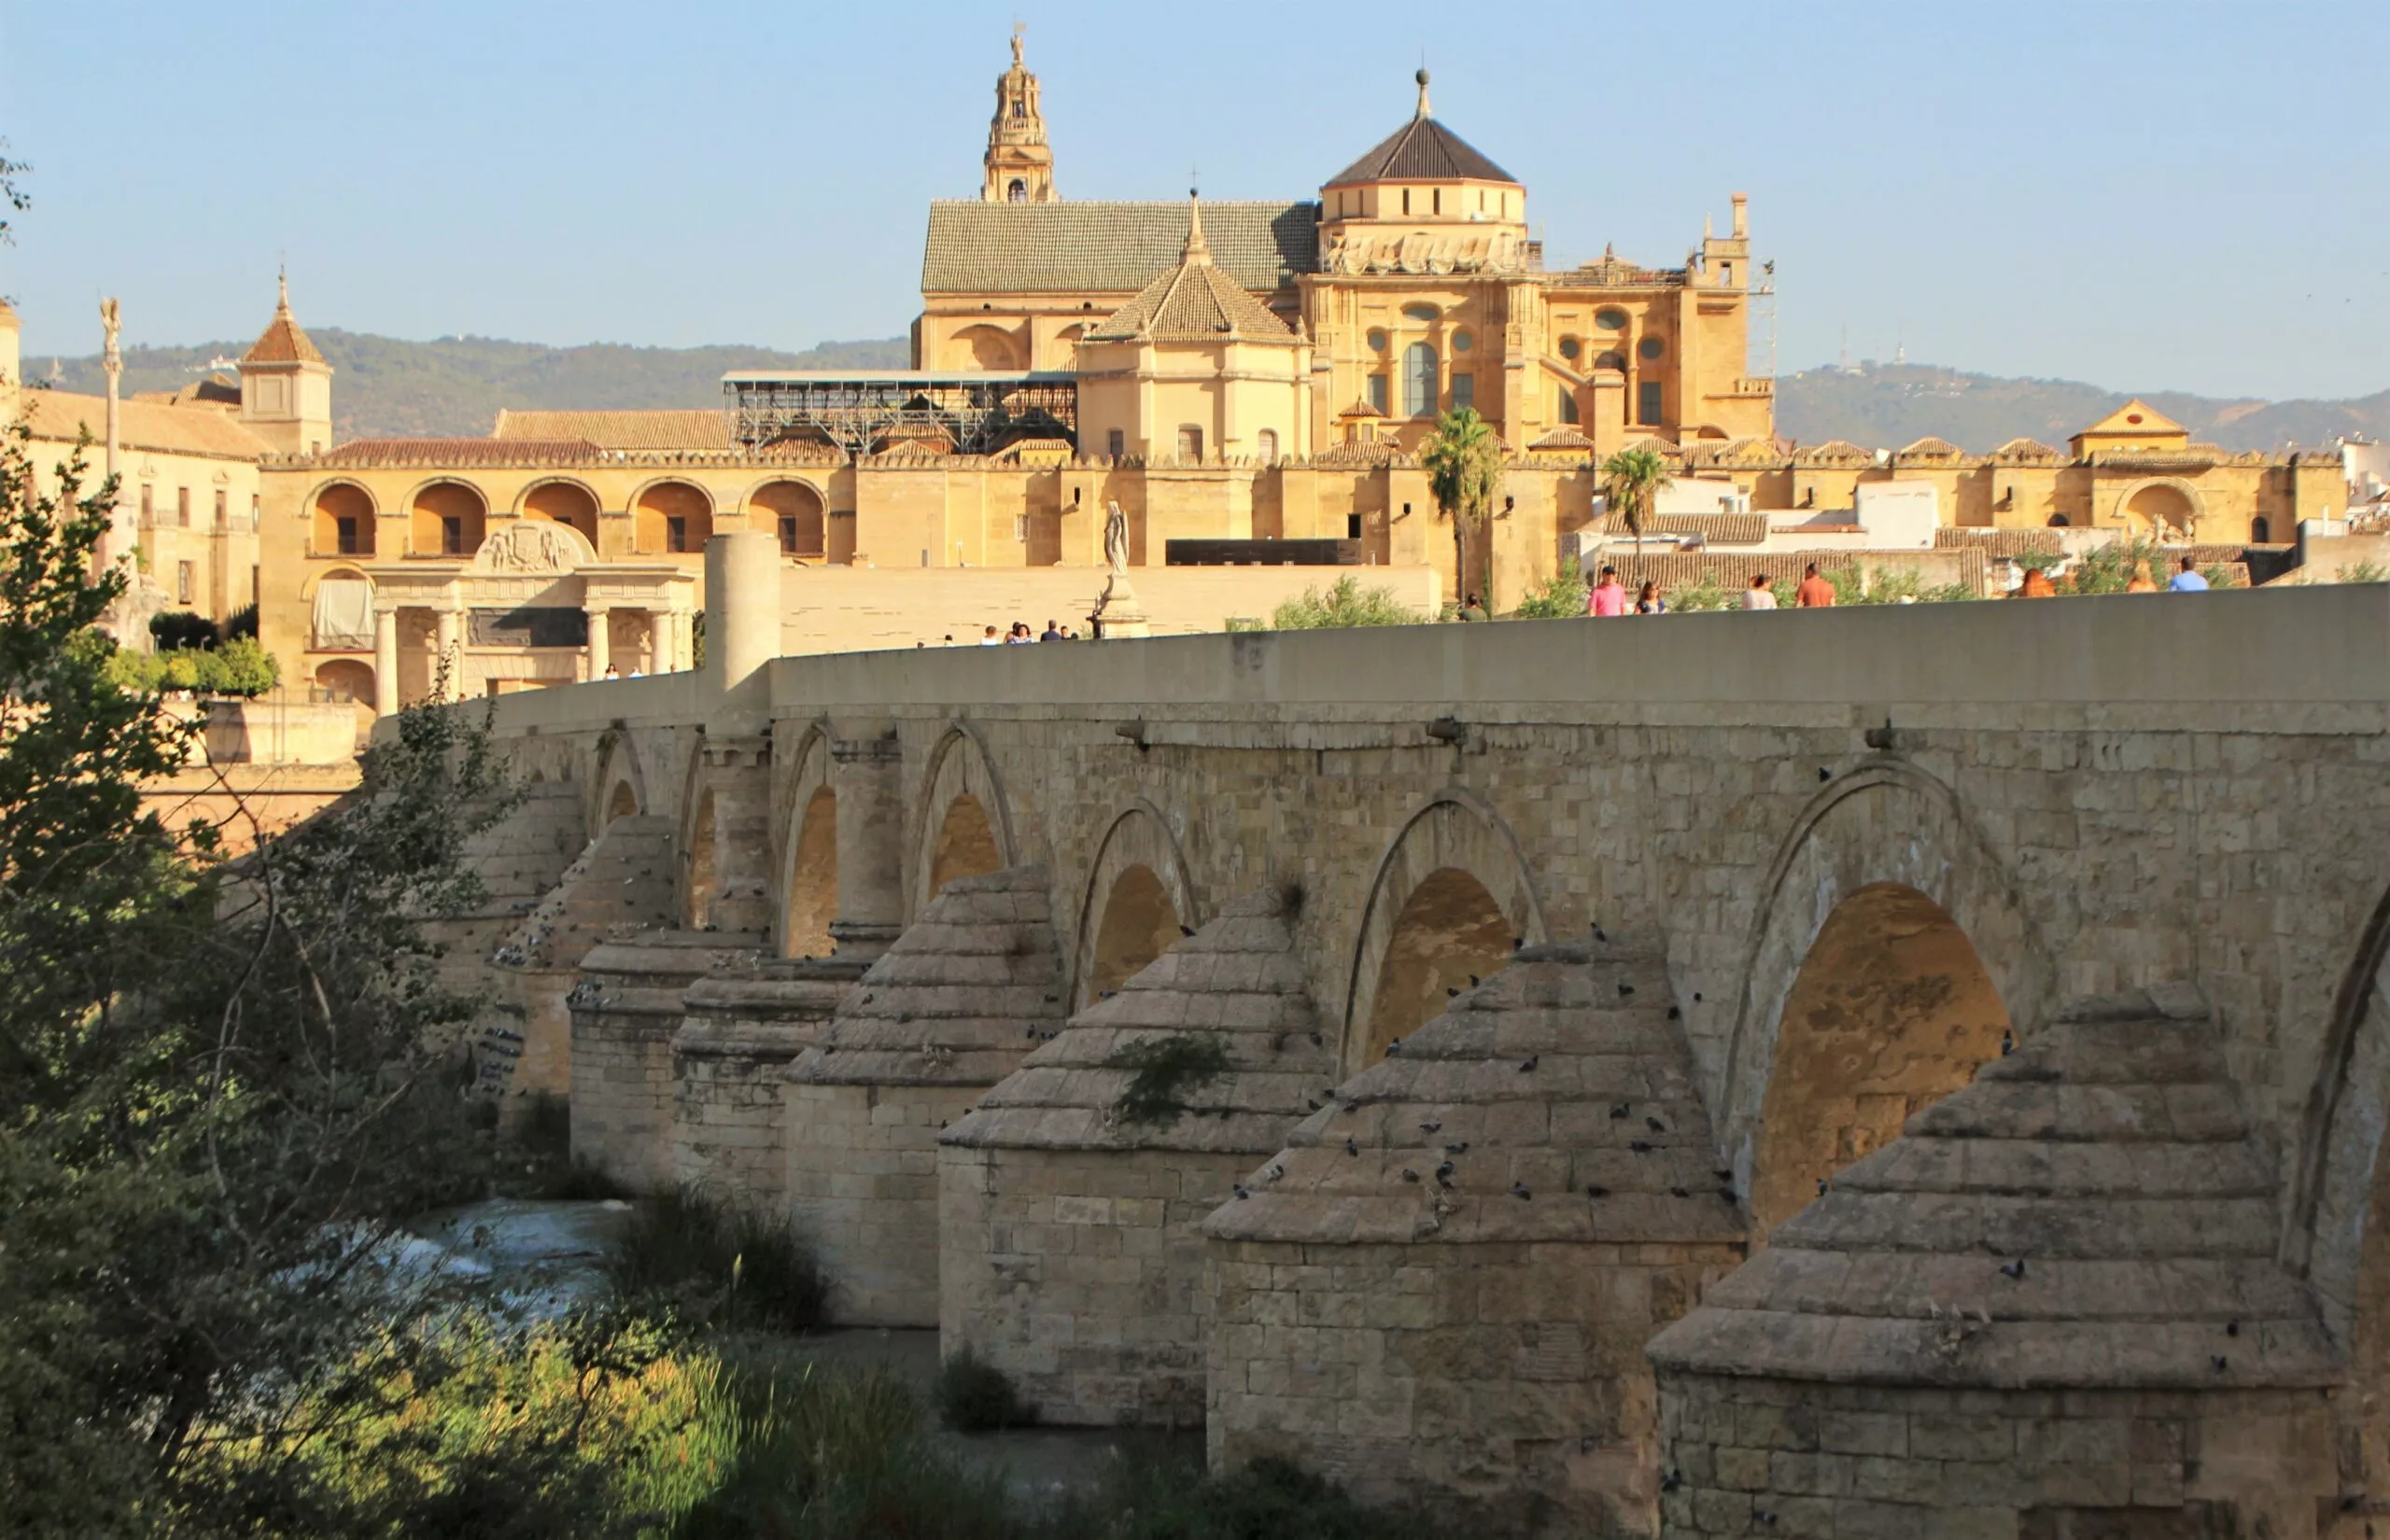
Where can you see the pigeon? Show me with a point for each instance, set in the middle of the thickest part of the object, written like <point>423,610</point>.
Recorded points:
<point>1655,1124</point>
<point>1598,934</point>
<point>1518,944</point>
<point>1672,1480</point>
<point>1394,1047</point>
<point>2007,1043</point>
<point>1592,1191</point>
<point>1678,1192</point>
<point>1409,1175</point>
<point>2219,1362</point>
<point>2014,1270</point>
<point>1526,1067</point>
<point>1824,774</point>
<point>2232,1328</point>
<point>1625,989</point>
<point>1052,1000</point>
<point>1351,1148</point>
<point>1617,1110</point>
<point>1822,1186</point>
<point>1461,1148</point>
<point>1105,994</point>
<point>1444,1174</point>
<point>1675,1013</point>
<point>1187,929</point>
<point>1640,1147</point>
<point>1697,997</point>
<point>1313,1104</point>
<point>1451,994</point>
<point>1765,1516</point>
<point>1240,1192</point>
<point>1472,981</point>
<point>1429,1127</point>
<point>1519,1190</point>
<point>1728,1193</point>
<point>1032,1032</point>
<point>1274,1172</point>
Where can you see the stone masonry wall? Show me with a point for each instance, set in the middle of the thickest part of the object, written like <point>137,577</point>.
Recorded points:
<point>727,1116</point>
<point>1863,1463</point>
<point>622,1096</point>
<point>1404,1373</point>
<point>1078,1273</point>
<point>862,1188</point>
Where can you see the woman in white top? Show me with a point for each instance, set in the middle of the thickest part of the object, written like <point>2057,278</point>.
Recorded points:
<point>1759,595</point>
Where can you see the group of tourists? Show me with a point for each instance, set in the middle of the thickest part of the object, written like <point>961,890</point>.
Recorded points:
<point>1608,597</point>
<point>1017,635</point>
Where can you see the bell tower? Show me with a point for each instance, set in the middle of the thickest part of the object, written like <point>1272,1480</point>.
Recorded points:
<point>1020,168</point>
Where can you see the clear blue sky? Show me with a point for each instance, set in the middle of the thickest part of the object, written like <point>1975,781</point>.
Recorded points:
<point>2143,194</point>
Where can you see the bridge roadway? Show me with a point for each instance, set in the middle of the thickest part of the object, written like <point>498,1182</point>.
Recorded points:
<point>1860,853</point>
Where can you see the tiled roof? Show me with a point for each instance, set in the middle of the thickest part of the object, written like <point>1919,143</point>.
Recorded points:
<point>62,416</point>
<point>1109,248</point>
<point>1563,438</point>
<point>282,341</point>
<point>1194,301</point>
<point>1732,570</point>
<point>699,427</point>
<point>1365,454</point>
<point>2026,451</point>
<point>215,389</point>
<point>1713,529</point>
<point>1930,448</point>
<point>1422,150</point>
<point>2000,545</point>
<point>1834,452</point>
<point>460,454</point>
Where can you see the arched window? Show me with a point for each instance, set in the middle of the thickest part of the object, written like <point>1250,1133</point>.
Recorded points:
<point>1419,380</point>
<point>1018,192</point>
<point>2260,531</point>
<point>1265,443</point>
<point>2059,520</point>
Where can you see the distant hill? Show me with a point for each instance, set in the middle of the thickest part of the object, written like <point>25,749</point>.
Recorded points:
<point>1888,405</point>
<point>388,388</point>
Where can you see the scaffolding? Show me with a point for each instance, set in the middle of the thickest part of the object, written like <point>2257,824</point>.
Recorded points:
<point>862,411</point>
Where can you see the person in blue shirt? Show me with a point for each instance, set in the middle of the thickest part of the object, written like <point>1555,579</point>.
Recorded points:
<point>2188,580</point>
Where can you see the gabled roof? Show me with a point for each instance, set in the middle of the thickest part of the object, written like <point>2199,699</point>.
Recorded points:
<point>1108,247</point>
<point>283,341</point>
<point>1192,303</point>
<point>60,417</point>
<point>2137,416</point>
<point>1422,150</point>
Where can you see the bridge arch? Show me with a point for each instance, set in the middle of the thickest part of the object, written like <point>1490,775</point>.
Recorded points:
<point>620,786</point>
<point>964,826</point>
<point>694,889</point>
<point>2338,1235</point>
<point>808,886</point>
<point>1888,957</point>
<point>1137,897</point>
<point>1450,896</point>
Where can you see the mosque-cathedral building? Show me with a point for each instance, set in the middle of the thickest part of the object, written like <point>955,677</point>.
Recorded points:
<point>1228,372</point>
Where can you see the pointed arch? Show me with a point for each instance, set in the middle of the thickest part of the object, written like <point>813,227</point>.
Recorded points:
<point>807,830</point>
<point>619,777</point>
<point>1137,896</point>
<point>1885,825</point>
<point>960,770</point>
<point>1451,895</point>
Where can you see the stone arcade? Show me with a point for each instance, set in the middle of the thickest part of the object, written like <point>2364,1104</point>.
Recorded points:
<point>1894,1072</point>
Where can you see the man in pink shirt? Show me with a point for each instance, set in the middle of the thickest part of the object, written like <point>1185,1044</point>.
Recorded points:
<point>1609,596</point>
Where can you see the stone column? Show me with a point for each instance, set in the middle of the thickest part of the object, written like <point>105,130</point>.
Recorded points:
<point>740,773</point>
<point>386,661</point>
<point>680,641</point>
<point>452,655</point>
<point>742,607</point>
<point>866,774</point>
<point>601,640</point>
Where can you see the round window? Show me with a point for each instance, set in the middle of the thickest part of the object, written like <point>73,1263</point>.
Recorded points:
<point>1650,347</point>
<point>2133,418</point>
<point>1570,347</point>
<point>1611,320</point>
<point>1463,342</point>
<point>1377,342</point>
<point>1420,312</point>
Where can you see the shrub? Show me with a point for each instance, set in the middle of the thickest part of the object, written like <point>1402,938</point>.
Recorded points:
<point>175,629</point>
<point>1166,1500</point>
<point>1166,1067</point>
<point>241,622</point>
<point>2364,572</point>
<point>239,667</point>
<point>718,1265</point>
<point>1562,597</point>
<point>1345,604</point>
<point>974,1397</point>
<point>1708,594</point>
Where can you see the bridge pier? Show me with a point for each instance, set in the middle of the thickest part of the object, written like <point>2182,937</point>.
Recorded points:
<point>866,777</point>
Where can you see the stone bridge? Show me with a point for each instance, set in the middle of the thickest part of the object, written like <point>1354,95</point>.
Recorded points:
<point>1882,1071</point>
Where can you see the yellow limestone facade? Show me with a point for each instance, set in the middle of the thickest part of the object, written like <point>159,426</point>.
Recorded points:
<point>1242,371</point>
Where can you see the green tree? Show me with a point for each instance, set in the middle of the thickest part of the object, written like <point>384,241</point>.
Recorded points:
<point>221,1086</point>
<point>10,193</point>
<point>1631,483</point>
<point>1345,604</point>
<point>1464,464</point>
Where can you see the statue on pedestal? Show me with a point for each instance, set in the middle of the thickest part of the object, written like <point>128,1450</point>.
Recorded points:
<point>1117,614</point>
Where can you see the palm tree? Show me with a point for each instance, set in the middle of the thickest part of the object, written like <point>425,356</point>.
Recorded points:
<point>1464,464</point>
<point>1631,483</point>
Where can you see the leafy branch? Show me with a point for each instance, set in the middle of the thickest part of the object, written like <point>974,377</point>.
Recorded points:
<point>1167,1069</point>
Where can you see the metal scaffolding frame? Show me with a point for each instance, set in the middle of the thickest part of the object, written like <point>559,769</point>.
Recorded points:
<point>980,411</point>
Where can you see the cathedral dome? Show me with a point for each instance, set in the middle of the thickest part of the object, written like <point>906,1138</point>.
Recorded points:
<point>1422,150</point>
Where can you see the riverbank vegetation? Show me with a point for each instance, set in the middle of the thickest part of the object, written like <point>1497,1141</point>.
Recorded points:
<point>225,1089</point>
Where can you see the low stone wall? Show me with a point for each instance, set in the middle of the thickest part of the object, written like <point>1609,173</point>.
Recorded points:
<point>1777,1458</point>
<point>1078,1273</point>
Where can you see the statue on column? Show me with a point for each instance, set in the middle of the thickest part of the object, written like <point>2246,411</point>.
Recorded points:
<point>1117,614</point>
<point>127,619</point>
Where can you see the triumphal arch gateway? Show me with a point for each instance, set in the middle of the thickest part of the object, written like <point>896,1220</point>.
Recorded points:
<point>1248,380</point>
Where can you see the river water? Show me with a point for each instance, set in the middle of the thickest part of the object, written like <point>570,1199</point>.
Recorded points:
<point>546,1257</point>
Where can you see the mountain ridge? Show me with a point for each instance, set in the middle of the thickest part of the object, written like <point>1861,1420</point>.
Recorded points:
<point>391,387</point>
